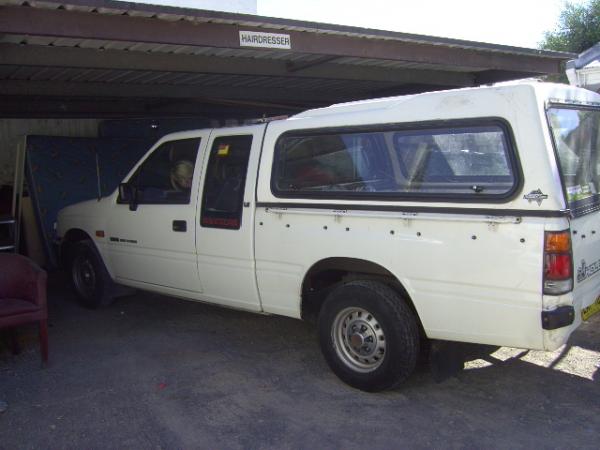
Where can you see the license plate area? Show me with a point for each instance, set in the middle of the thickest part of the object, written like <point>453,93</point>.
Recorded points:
<point>590,310</point>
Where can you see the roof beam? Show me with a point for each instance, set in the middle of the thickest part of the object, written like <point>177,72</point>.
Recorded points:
<point>73,57</point>
<point>298,97</point>
<point>82,25</point>
<point>494,76</point>
<point>47,107</point>
<point>296,67</point>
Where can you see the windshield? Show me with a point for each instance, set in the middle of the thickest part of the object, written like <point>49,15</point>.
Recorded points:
<point>576,134</point>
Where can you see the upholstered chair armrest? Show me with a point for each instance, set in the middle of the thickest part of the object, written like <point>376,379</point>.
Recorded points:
<point>23,279</point>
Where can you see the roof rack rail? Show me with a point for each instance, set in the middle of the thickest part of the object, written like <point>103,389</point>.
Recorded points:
<point>266,119</point>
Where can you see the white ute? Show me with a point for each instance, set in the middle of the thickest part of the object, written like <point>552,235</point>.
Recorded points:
<point>470,215</point>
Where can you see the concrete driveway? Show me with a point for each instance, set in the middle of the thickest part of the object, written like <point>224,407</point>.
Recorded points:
<point>156,372</point>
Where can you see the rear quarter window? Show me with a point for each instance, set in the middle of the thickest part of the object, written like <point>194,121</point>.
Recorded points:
<point>576,137</point>
<point>225,182</point>
<point>462,161</point>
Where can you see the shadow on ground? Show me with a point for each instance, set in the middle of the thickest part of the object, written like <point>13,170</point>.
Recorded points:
<point>151,371</point>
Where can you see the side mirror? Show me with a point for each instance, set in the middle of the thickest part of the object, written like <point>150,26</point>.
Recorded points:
<point>128,194</point>
<point>124,192</point>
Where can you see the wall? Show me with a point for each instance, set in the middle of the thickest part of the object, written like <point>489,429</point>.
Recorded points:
<point>11,131</point>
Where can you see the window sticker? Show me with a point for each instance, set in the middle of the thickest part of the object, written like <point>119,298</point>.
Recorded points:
<point>578,192</point>
<point>223,150</point>
<point>592,187</point>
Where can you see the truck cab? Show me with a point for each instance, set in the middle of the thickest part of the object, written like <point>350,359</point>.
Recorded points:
<point>151,224</point>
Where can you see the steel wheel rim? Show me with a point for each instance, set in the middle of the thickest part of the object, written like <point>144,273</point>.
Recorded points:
<point>358,339</point>
<point>84,276</point>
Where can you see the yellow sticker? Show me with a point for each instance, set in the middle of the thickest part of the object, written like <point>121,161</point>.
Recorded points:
<point>592,309</point>
<point>223,150</point>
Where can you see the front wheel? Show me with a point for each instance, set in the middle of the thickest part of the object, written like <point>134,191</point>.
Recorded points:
<point>369,335</point>
<point>90,280</point>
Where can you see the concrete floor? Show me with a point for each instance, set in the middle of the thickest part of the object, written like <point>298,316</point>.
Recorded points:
<point>155,372</point>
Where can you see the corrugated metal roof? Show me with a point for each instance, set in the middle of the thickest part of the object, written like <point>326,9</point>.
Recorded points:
<point>54,60</point>
<point>290,56</point>
<point>173,14</point>
<point>25,73</point>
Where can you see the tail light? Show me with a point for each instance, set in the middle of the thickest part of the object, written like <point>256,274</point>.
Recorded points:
<point>558,262</point>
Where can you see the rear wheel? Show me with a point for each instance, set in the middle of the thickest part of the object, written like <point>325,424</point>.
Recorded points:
<point>369,335</point>
<point>90,280</point>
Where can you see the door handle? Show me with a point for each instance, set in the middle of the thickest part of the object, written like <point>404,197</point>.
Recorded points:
<point>179,225</point>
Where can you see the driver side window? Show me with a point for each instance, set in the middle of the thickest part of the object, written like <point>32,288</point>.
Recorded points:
<point>166,176</point>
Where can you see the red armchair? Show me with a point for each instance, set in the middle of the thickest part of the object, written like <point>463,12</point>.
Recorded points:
<point>23,296</point>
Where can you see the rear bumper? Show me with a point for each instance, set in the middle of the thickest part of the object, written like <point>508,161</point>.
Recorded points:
<point>560,317</point>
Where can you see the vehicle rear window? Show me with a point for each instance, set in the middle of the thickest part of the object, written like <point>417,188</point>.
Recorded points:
<point>446,162</point>
<point>576,134</point>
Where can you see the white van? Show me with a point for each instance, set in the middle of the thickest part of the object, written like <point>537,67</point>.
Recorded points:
<point>470,215</point>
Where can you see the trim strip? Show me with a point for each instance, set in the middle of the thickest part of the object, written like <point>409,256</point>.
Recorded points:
<point>419,209</point>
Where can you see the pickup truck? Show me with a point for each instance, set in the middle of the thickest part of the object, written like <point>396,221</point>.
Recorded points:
<point>468,215</point>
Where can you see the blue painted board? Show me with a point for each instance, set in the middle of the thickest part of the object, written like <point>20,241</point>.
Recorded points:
<point>61,171</point>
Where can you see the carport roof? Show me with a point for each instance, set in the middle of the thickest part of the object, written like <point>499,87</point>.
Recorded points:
<point>103,57</point>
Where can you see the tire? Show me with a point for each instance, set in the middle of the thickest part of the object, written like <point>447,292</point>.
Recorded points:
<point>383,350</point>
<point>89,278</point>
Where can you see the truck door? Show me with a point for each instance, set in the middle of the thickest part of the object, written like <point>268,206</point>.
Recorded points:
<point>155,244</point>
<point>225,229</point>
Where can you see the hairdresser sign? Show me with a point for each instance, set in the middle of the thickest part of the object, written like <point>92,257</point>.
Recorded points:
<point>265,40</point>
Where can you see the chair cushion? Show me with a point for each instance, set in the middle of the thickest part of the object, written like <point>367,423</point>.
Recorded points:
<point>14,306</point>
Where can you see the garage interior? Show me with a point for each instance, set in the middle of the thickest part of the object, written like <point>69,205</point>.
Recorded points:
<point>110,69</point>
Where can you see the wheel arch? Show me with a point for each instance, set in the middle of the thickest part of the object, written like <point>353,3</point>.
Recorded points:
<point>326,274</point>
<point>76,235</point>
<point>71,237</point>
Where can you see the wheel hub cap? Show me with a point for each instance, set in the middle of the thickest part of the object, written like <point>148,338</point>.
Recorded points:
<point>359,339</point>
<point>84,276</point>
<point>86,272</point>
